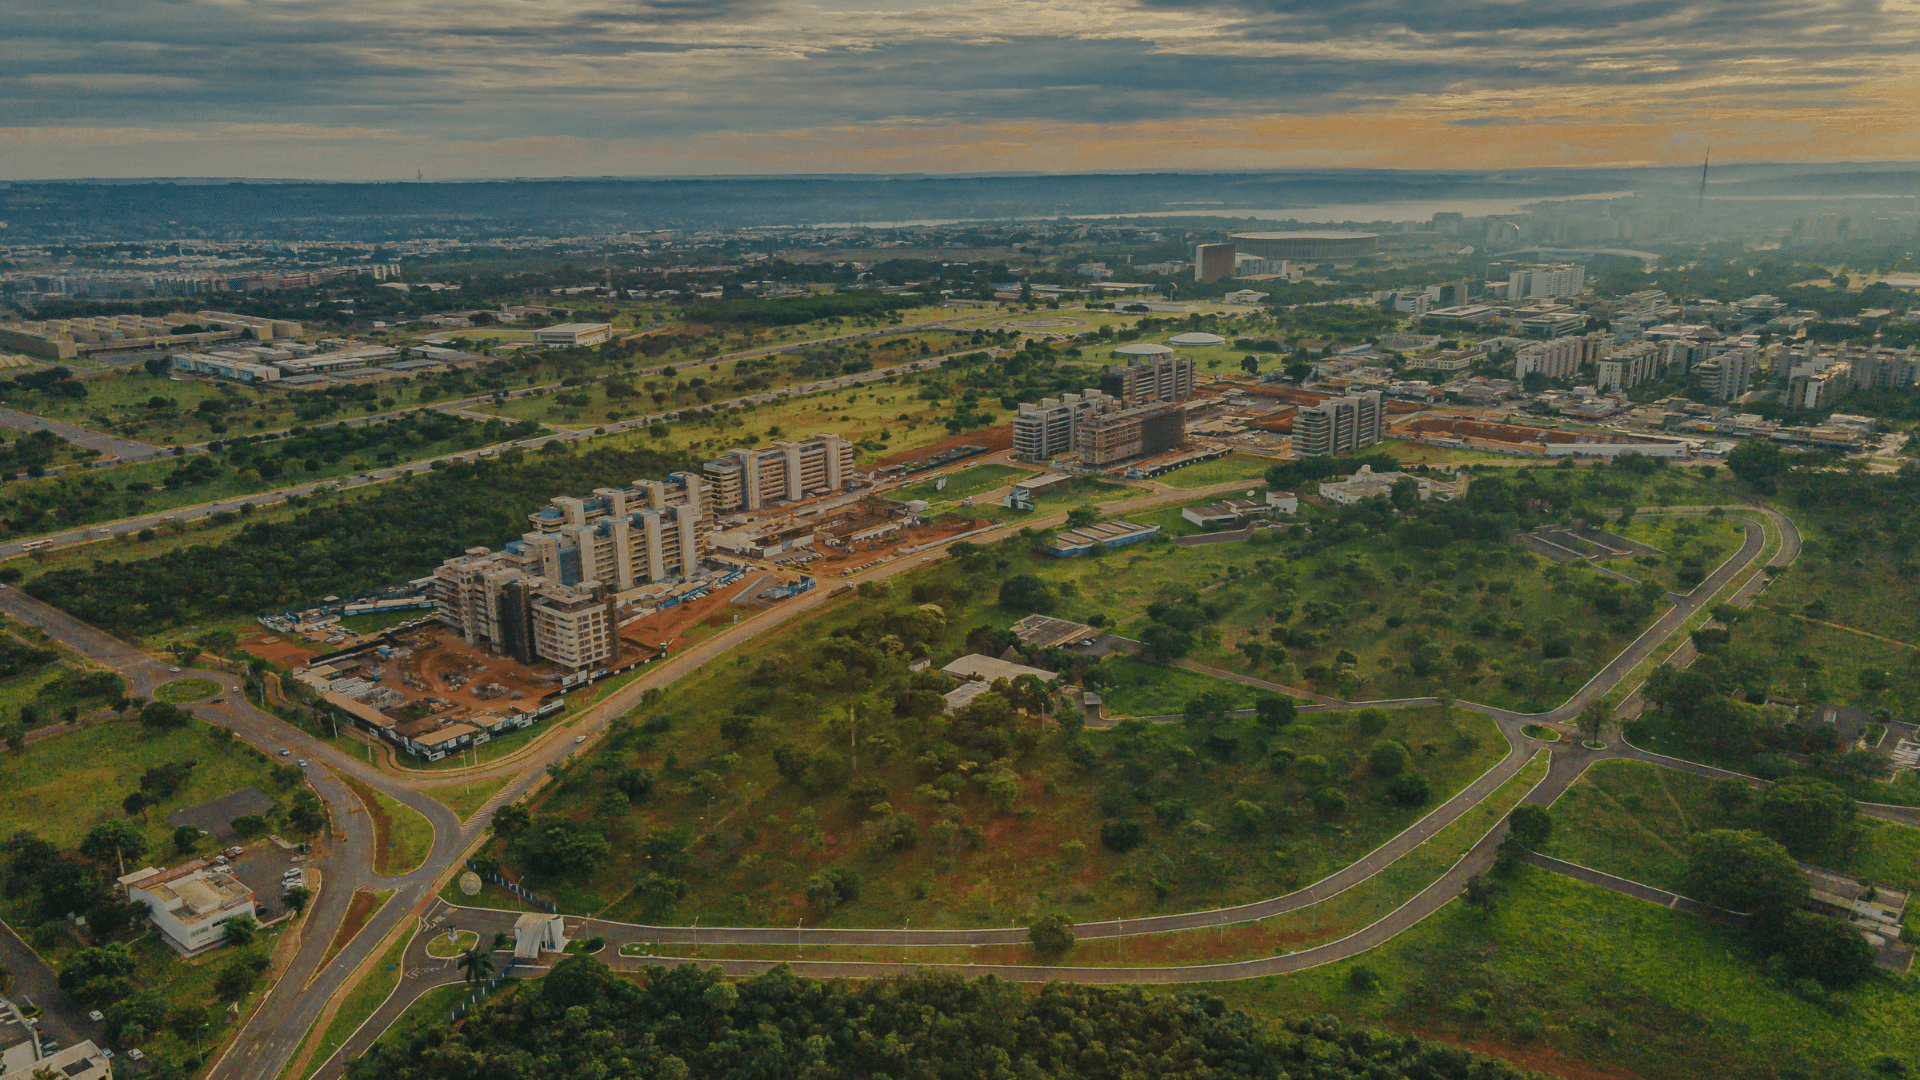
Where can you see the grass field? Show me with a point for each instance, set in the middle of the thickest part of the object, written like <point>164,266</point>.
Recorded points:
<point>1694,547</point>
<point>402,838</point>
<point>1408,452</point>
<point>1218,471</point>
<point>1632,819</point>
<point>430,1009</point>
<point>63,786</point>
<point>181,691</point>
<point>464,799</point>
<point>1580,982</point>
<point>965,483</point>
<point>360,1003</point>
<point>1144,688</point>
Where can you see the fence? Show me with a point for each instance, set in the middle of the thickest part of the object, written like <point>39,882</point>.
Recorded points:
<point>514,889</point>
<point>480,992</point>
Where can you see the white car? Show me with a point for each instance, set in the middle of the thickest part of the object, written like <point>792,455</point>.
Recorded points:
<point>578,739</point>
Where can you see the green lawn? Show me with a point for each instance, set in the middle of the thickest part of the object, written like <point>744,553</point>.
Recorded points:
<point>181,691</point>
<point>429,1010</point>
<point>1567,977</point>
<point>464,799</point>
<point>360,1003</point>
<point>965,483</point>
<point>1143,688</point>
<point>1694,546</point>
<point>1218,471</point>
<point>63,786</point>
<point>407,836</point>
<point>1633,819</point>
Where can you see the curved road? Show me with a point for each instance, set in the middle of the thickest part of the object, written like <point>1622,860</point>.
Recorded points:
<point>298,999</point>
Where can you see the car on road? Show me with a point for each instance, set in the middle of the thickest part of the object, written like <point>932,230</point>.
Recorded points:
<point>235,850</point>
<point>218,701</point>
<point>175,670</point>
<point>578,739</point>
<point>303,763</point>
<point>286,753</point>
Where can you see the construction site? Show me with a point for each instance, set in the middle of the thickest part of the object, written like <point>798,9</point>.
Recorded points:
<point>1460,432</point>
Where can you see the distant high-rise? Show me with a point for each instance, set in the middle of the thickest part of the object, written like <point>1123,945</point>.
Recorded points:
<point>1564,279</point>
<point>1211,262</point>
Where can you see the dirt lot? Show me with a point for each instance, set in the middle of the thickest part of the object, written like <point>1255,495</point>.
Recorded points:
<point>470,677</point>
<point>279,650</point>
<point>995,439</point>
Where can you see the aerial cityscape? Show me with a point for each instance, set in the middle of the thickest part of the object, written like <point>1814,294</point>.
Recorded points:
<point>736,575</point>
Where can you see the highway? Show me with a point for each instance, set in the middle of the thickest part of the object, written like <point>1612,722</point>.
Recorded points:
<point>109,529</point>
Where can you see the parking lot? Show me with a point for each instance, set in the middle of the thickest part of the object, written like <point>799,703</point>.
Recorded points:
<point>216,815</point>
<point>260,867</point>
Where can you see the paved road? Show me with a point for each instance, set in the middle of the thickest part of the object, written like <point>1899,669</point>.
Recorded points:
<point>124,449</point>
<point>275,1036</point>
<point>294,1002</point>
<point>1568,762</point>
<point>462,407</point>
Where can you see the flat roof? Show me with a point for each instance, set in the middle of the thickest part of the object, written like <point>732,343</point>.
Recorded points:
<point>575,327</point>
<point>1144,348</point>
<point>989,668</point>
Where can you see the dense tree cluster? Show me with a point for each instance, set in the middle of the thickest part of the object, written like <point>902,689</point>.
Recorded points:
<point>394,532</point>
<point>582,1020</point>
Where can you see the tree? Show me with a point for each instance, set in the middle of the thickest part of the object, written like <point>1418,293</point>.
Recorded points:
<point>1743,871</point>
<point>1025,592</point>
<point>296,899</point>
<point>1165,643</point>
<point>1250,364</point>
<point>238,930</point>
<point>1209,705</point>
<point>1593,719</point>
<point>115,841</point>
<point>1247,817</point>
<point>95,977</point>
<point>1082,516</point>
<point>185,839</point>
<point>1481,892</point>
<point>1826,950</point>
<point>660,895</point>
<point>1051,936</point>
<point>1530,824</point>
<point>1387,759</point>
<point>511,820</point>
<point>1121,837</point>
<point>1409,789</point>
<point>1274,711</point>
<point>1758,461</point>
<point>475,965</point>
<point>1807,815</point>
<point>557,846</point>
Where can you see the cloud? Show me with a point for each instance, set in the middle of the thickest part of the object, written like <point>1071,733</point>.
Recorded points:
<point>680,76</point>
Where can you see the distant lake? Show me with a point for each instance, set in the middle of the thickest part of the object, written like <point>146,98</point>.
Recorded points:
<point>1324,214</point>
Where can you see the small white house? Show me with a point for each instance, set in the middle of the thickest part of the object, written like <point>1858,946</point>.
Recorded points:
<point>1244,296</point>
<point>1283,502</point>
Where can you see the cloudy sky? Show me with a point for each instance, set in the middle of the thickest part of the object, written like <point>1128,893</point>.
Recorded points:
<point>375,89</point>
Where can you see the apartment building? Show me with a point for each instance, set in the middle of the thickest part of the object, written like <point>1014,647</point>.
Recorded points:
<point>1883,368</point>
<point>190,902</point>
<point>1627,366</point>
<point>750,479</point>
<point>1341,425</point>
<point>1726,376</point>
<point>1106,436</point>
<point>1557,359</point>
<point>1143,378</point>
<point>547,596</point>
<point>1560,279</point>
<point>1044,431</point>
<point>1819,385</point>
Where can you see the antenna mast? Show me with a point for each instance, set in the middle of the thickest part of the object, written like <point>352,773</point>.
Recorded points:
<point>1701,204</point>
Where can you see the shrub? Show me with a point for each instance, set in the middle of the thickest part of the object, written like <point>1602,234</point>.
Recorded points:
<point>1122,836</point>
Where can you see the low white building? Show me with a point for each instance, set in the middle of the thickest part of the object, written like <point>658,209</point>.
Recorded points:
<point>81,1061</point>
<point>189,902</point>
<point>1366,483</point>
<point>1283,502</point>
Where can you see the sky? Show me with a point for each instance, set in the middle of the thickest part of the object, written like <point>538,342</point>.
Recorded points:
<point>387,89</point>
